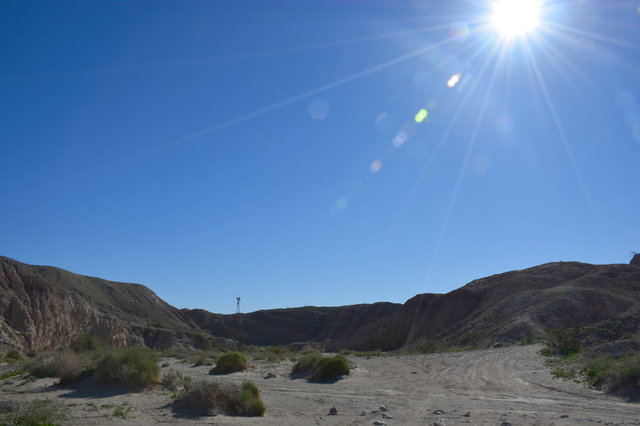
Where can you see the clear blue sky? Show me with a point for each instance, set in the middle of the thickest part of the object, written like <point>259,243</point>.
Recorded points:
<point>269,149</point>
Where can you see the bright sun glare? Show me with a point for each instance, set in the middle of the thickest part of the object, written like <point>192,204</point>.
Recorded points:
<point>515,17</point>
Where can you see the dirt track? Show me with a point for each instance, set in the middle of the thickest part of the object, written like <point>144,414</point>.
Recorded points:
<point>494,386</point>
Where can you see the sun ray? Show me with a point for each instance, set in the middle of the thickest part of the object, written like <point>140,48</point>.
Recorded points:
<point>565,142</point>
<point>465,162</point>
<point>558,29</point>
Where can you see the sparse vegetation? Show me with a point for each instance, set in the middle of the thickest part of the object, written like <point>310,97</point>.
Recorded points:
<point>123,411</point>
<point>210,397</point>
<point>135,367</point>
<point>13,355</point>
<point>562,340</point>
<point>230,363</point>
<point>175,381</point>
<point>12,373</point>
<point>614,374</point>
<point>87,342</point>
<point>40,413</point>
<point>68,366</point>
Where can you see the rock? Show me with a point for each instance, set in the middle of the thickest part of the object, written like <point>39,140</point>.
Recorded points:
<point>386,416</point>
<point>438,412</point>
<point>505,424</point>
<point>439,423</point>
<point>270,376</point>
<point>467,414</point>
<point>164,364</point>
<point>564,416</point>
<point>364,413</point>
<point>379,423</point>
<point>333,411</point>
<point>383,408</point>
<point>635,260</point>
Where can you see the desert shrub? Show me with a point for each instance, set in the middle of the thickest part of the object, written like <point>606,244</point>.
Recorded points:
<point>136,367</point>
<point>428,347</point>
<point>331,368</point>
<point>321,369</point>
<point>175,381</point>
<point>613,374</point>
<point>563,340</point>
<point>476,337</point>
<point>40,413</point>
<point>307,363</point>
<point>13,355</point>
<point>199,360</point>
<point>250,396</point>
<point>87,342</point>
<point>230,363</point>
<point>212,397</point>
<point>68,366</point>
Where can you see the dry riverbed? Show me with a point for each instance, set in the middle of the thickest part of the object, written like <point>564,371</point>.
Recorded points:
<point>486,387</point>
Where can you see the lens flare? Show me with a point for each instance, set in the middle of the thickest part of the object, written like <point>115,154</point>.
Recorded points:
<point>454,80</point>
<point>318,108</point>
<point>375,166</point>
<point>421,115</point>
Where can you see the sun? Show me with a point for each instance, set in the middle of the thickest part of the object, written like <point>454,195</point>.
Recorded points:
<point>515,18</point>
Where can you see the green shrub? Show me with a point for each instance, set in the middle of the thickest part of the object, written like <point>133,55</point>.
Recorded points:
<point>87,342</point>
<point>307,364</point>
<point>230,363</point>
<point>250,396</point>
<point>13,355</point>
<point>563,340</point>
<point>40,413</point>
<point>136,367</point>
<point>321,369</point>
<point>68,366</point>
<point>614,375</point>
<point>331,368</point>
<point>212,397</point>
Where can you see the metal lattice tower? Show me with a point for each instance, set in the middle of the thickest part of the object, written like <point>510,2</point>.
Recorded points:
<point>237,305</point>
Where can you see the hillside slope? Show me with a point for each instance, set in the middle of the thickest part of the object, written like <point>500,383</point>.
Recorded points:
<point>504,307</point>
<point>42,307</point>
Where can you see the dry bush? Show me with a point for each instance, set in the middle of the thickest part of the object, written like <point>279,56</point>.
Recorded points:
<point>68,366</point>
<point>175,381</point>
<point>212,397</point>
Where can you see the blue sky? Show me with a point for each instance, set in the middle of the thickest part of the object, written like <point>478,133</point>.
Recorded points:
<point>269,149</point>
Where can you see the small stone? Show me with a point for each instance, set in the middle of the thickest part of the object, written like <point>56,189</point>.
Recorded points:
<point>270,376</point>
<point>564,416</point>
<point>333,411</point>
<point>414,372</point>
<point>386,416</point>
<point>505,424</point>
<point>383,408</point>
<point>379,423</point>
<point>439,423</point>
<point>438,412</point>
<point>364,413</point>
<point>467,414</point>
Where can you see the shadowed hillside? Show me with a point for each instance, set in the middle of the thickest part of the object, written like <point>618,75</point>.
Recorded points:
<point>511,306</point>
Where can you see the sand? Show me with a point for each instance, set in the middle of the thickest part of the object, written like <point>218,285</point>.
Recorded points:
<point>485,387</point>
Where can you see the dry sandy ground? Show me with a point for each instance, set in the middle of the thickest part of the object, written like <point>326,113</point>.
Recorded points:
<point>493,386</point>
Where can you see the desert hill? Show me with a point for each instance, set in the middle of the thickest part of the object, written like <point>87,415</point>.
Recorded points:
<point>511,306</point>
<point>42,307</point>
